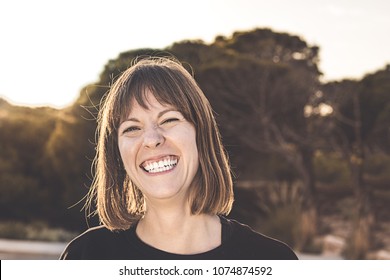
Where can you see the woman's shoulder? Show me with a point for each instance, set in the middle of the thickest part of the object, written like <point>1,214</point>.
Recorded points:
<point>250,244</point>
<point>94,243</point>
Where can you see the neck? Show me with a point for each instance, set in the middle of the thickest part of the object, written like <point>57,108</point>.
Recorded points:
<point>179,232</point>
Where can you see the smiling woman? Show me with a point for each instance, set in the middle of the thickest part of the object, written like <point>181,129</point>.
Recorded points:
<point>157,141</point>
<point>163,184</point>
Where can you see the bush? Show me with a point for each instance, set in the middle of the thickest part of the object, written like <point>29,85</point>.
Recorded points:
<point>331,169</point>
<point>282,213</point>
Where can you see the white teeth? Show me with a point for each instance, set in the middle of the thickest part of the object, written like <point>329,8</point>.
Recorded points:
<point>163,165</point>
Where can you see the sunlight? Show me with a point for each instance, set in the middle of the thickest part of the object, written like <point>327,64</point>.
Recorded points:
<point>322,109</point>
<point>325,109</point>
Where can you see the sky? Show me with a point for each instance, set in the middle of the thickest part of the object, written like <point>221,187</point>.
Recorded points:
<point>50,49</point>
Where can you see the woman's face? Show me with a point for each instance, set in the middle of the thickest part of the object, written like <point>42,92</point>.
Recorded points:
<point>158,149</point>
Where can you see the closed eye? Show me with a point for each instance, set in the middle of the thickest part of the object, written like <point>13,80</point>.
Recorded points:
<point>130,129</point>
<point>170,120</point>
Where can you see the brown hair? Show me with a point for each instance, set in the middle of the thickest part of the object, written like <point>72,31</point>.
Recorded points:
<point>119,202</point>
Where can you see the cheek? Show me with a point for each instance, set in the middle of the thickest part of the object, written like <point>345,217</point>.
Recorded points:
<point>127,152</point>
<point>191,145</point>
<point>194,149</point>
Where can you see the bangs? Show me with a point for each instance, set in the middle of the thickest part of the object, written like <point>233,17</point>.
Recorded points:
<point>166,87</point>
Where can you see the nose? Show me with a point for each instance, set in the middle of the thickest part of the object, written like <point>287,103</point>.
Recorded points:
<point>153,138</point>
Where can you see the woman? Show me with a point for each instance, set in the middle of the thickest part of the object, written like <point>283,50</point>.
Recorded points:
<point>163,182</point>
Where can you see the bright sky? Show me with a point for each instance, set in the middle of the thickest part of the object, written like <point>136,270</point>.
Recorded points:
<point>50,49</point>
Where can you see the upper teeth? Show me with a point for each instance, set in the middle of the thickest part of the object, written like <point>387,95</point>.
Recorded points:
<point>160,166</point>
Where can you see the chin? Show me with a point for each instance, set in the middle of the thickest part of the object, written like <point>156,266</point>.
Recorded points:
<point>163,193</point>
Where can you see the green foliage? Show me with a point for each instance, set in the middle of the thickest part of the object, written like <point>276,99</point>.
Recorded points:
<point>377,168</point>
<point>283,223</point>
<point>68,155</point>
<point>24,132</point>
<point>373,101</point>
<point>376,103</point>
<point>331,169</point>
<point>273,208</point>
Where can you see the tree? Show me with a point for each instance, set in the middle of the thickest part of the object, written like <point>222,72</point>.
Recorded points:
<point>68,157</point>
<point>23,134</point>
<point>259,90</point>
<point>357,127</point>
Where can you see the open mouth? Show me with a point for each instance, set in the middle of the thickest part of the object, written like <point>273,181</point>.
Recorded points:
<point>161,165</point>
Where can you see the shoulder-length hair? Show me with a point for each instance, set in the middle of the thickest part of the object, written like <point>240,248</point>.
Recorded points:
<point>119,202</point>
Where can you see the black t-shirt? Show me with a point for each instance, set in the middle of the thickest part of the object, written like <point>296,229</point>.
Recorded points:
<point>239,242</point>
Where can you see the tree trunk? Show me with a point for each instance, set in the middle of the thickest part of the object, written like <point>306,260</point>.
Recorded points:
<point>309,213</point>
<point>360,241</point>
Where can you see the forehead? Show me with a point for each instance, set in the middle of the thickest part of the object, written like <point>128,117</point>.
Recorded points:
<point>149,104</point>
<point>148,101</point>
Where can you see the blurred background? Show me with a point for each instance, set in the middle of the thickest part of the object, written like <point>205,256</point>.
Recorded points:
<point>301,92</point>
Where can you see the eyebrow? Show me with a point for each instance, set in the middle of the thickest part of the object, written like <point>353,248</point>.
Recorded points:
<point>160,114</point>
